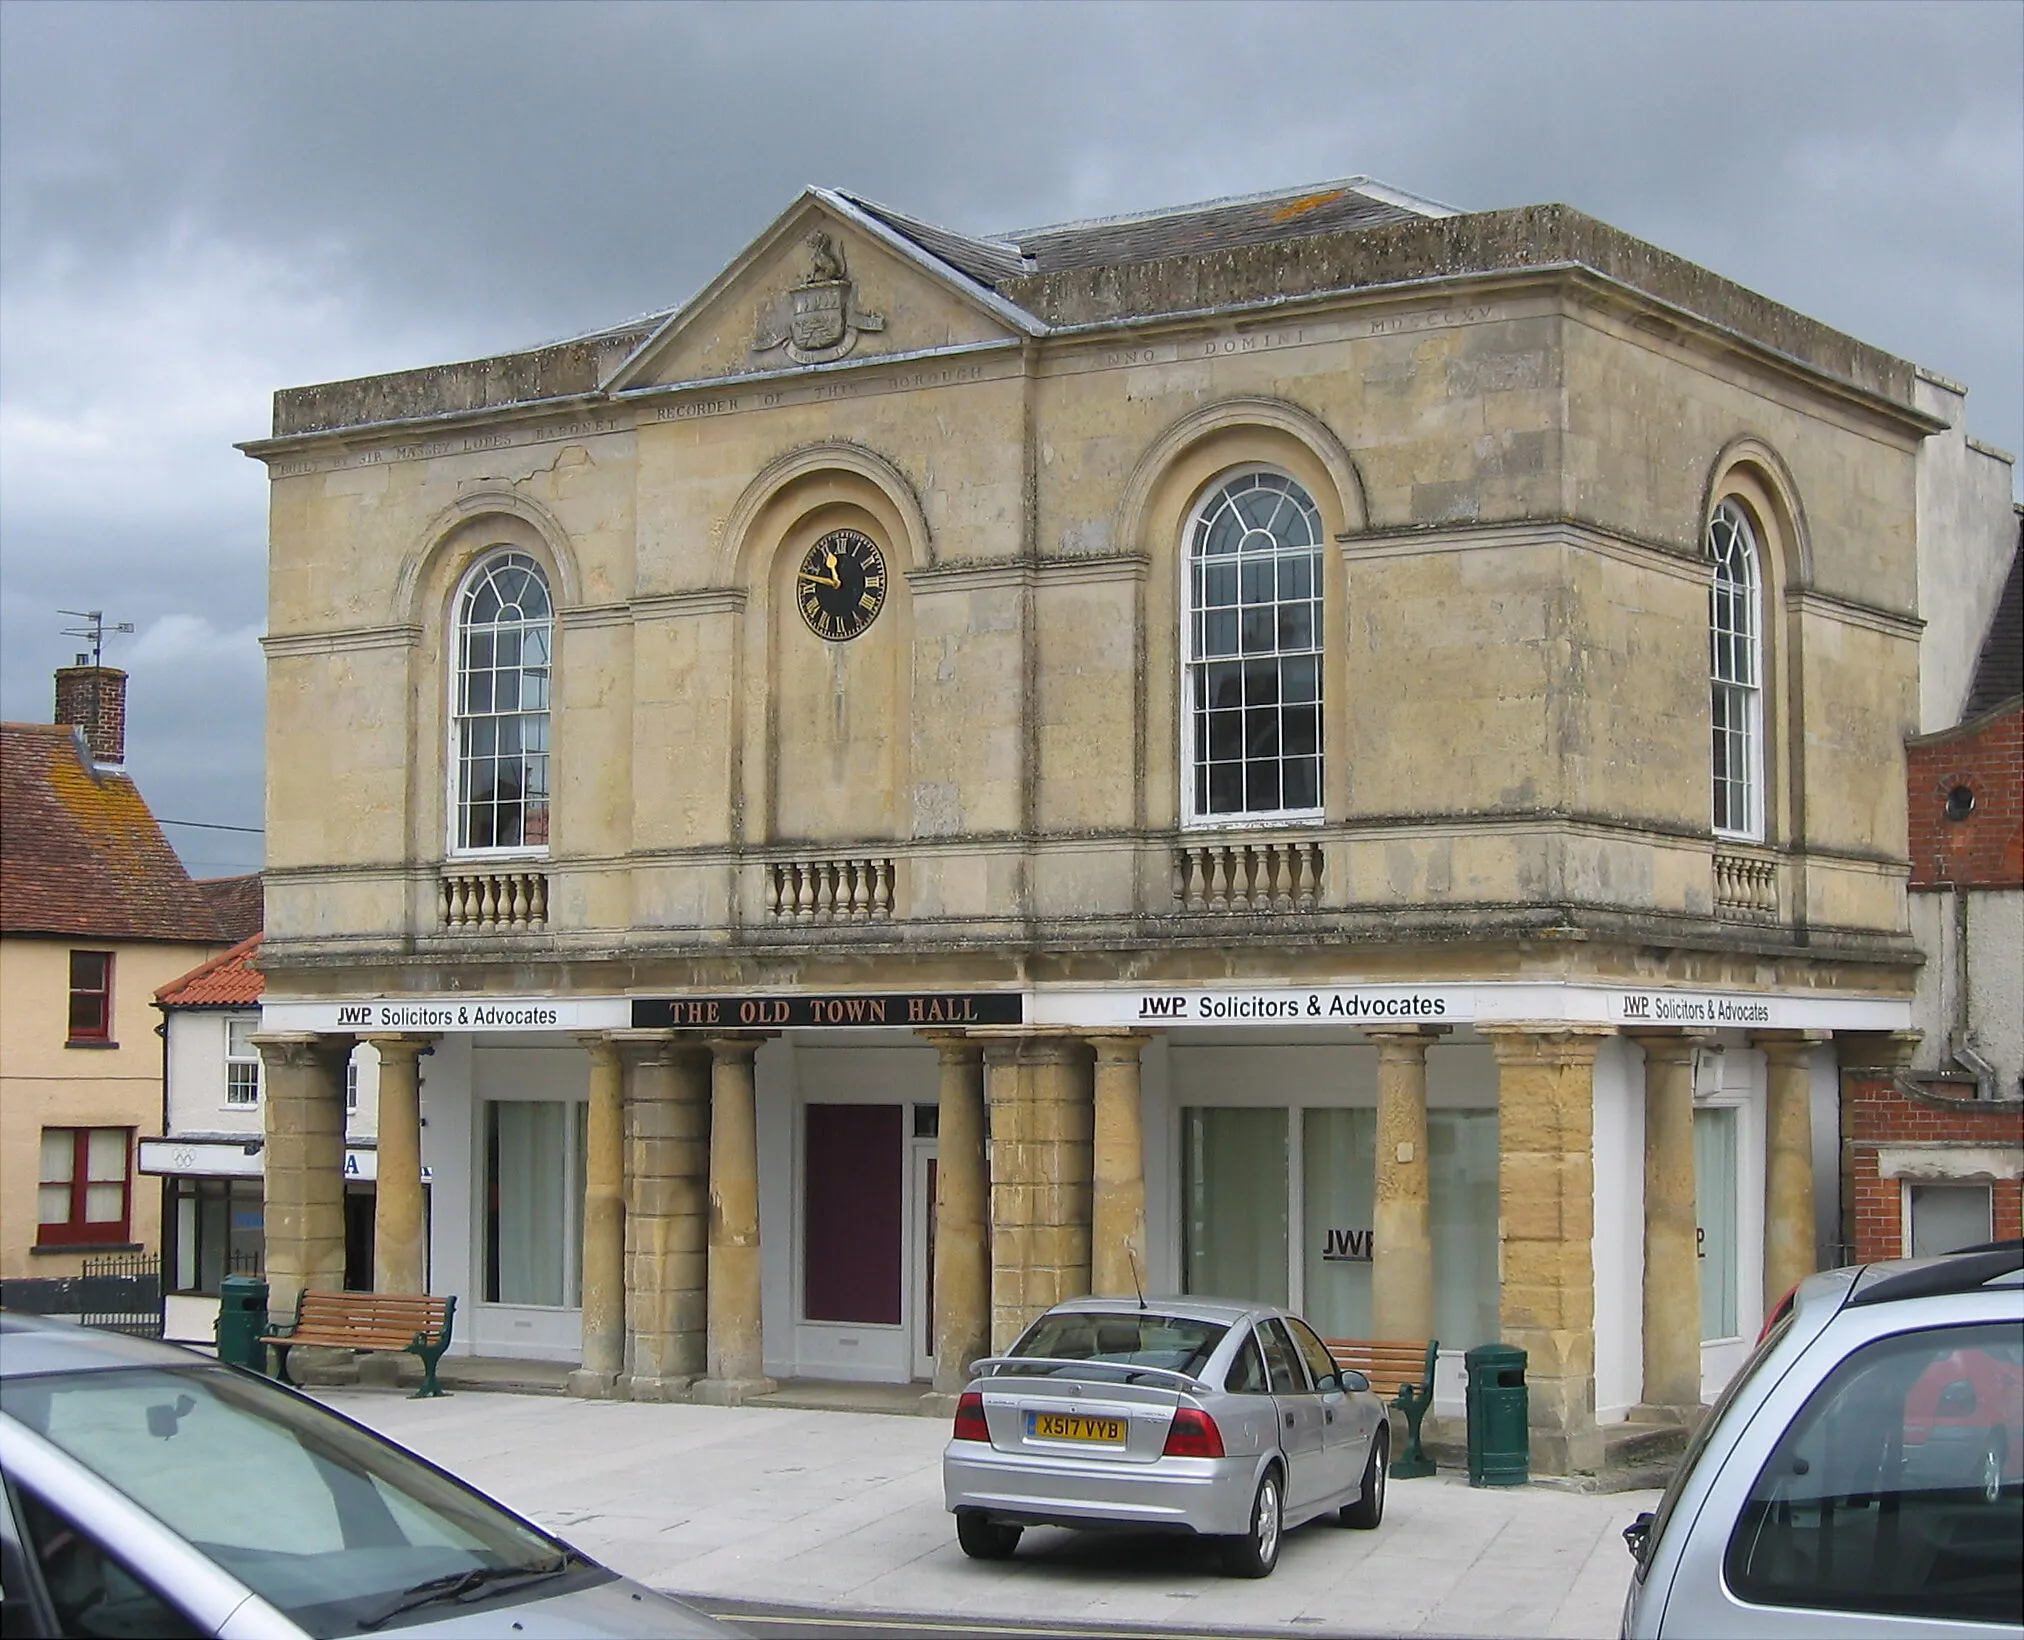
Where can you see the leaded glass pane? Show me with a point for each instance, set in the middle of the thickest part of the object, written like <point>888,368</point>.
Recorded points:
<point>503,697</point>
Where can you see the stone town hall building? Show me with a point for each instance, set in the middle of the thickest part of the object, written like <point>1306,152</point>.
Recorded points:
<point>1312,746</point>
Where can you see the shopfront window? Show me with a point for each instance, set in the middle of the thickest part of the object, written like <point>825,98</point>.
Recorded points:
<point>1462,1205</point>
<point>1233,1203</point>
<point>1339,1172</point>
<point>1715,1217</point>
<point>218,1231</point>
<point>533,1205</point>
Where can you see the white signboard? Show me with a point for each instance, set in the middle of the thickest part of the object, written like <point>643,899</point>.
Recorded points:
<point>454,1014</point>
<point>213,1159</point>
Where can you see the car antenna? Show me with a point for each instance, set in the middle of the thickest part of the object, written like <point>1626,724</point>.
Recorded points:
<point>1135,1287</point>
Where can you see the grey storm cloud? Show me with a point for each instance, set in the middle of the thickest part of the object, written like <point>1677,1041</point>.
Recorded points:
<point>201,203</point>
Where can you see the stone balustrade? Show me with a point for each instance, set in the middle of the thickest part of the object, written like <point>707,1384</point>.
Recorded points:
<point>829,890</point>
<point>1248,876</point>
<point>1746,887</point>
<point>492,900</point>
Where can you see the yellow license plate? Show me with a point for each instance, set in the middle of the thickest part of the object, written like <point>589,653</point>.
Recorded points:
<point>1055,1426</point>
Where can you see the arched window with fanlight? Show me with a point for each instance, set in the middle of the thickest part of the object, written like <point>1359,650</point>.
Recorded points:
<point>1736,674</point>
<point>1252,646</point>
<point>504,626</point>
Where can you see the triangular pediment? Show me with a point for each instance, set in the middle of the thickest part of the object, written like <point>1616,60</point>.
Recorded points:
<point>825,282</point>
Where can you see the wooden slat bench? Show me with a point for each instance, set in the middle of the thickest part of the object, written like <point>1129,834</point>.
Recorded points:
<point>1407,1364</point>
<point>414,1323</point>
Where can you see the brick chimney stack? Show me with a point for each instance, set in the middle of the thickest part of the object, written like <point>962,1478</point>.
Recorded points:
<point>94,699</point>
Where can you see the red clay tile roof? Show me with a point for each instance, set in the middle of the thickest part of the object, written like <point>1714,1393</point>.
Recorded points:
<point>225,981</point>
<point>79,851</point>
<point>237,902</point>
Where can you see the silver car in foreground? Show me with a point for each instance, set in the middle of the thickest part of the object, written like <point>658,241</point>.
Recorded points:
<point>1863,1475</point>
<point>149,1490</point>
<point>1191,1415</point>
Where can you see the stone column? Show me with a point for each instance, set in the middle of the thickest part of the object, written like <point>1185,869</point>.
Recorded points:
<point>603,1223</point>
<point>1117,1210</point>
<point>1546,1231</point>
<point>1790,1239</point>
<point>1672,1265</point>
<point>1041,1133</point>
<point>1402,1246</point>
<point>735,1352</point>
<point>399,1258</point>
<point>304,1189</point>
<point>962,1250</point>
<point>667,1219</point>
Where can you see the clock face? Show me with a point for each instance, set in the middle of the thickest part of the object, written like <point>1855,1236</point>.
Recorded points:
<point>841,585</point>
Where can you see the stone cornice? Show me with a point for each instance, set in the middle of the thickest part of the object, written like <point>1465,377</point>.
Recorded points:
<point>1584,535</point>
<point>344,640</point>
<point>1891,623</point>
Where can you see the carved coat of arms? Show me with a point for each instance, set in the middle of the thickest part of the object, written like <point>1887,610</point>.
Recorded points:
<point>820,320</point>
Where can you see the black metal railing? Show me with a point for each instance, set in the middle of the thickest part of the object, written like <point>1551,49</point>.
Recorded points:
<point>122,1293</point>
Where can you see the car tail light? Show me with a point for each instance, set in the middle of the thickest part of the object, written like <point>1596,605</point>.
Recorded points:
<point>970,1425</point>
<point>1777,1311</point>
<point>1193,1434</point>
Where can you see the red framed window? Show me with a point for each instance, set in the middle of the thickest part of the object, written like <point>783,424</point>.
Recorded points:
<point>85,1186</point>
<point>91,996</point>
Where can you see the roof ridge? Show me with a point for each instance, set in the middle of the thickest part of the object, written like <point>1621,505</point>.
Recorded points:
<point>1355,184</point>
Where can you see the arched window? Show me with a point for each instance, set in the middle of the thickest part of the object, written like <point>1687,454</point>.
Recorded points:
<point>503,626</point>
<point>1736,673</point>
<point>1252,638</point>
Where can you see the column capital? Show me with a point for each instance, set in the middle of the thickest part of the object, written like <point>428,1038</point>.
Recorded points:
<point>601,1046</point>
<point>301,1047</point>
<point>1118,1047</point>
<point>1026,1047</point>
<point>1879,1051</point>
<point>1394,1037</point>
<point>409,1045</point>
<point>1554,1042</point>
<point>1669,1044</point>
<point>739,1045</point>
<point>1788,1042</point>
<point>953,1047</point>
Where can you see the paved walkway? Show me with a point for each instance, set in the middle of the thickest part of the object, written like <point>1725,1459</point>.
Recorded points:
<point>843,1511</point>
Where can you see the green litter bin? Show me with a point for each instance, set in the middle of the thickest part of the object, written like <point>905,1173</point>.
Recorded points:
<point>242,1318</point>
<point>1500,1451</point>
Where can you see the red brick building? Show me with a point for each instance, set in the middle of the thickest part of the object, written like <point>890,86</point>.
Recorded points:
<point>1932,1154</point>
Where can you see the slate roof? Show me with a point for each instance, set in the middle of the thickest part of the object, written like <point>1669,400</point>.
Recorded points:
<point>239,904</point>
<point>228,980</point>
<point>1999,671</point>
<point>1147,236</point>
<point>80,853</point>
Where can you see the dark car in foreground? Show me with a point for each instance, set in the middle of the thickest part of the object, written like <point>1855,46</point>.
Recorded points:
<point>149,1490</point>
<point>1190,1415</point>
<point>1862,1475</point>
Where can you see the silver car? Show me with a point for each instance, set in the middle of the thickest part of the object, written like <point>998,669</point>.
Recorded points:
<point>149,1490</point>
<point>1863,1475</point>
<point>1191,1415</point>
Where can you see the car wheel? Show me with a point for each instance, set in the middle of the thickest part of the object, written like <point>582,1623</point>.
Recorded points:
<point>984,1539</point>
<point>1257,1551</point>
<point>1368,1510</point>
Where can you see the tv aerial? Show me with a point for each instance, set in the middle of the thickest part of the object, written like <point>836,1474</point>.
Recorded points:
<point>95,629</point>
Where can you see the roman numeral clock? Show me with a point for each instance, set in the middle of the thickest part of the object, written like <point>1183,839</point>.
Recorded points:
<point>841,585</point>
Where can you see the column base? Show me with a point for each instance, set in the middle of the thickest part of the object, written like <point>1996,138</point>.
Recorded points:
<point>639,1388</point>
<point>940,1403</point>
<point>1566,1452</point>
<point>589,1385</point>
<point>729,1392</point>
<point>1687,1417</point>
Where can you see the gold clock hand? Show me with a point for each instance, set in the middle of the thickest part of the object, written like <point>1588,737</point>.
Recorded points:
<point>832,581</point>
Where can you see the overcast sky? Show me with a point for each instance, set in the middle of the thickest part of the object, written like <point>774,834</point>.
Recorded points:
<point>200,204</point>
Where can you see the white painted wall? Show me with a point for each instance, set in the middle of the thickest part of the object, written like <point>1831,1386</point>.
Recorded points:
<point>1619,1229</point>
<point>1981,980</point>
<point>1967,532</point>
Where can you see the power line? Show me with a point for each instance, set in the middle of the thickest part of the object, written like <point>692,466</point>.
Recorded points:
<point>211,825</point>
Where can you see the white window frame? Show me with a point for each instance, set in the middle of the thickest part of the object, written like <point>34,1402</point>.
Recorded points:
<point>453,760</point>
<point>1905,1188</point>
<point>1194,815</point>
<point>1736,674</point>
<point>239,1054</point>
